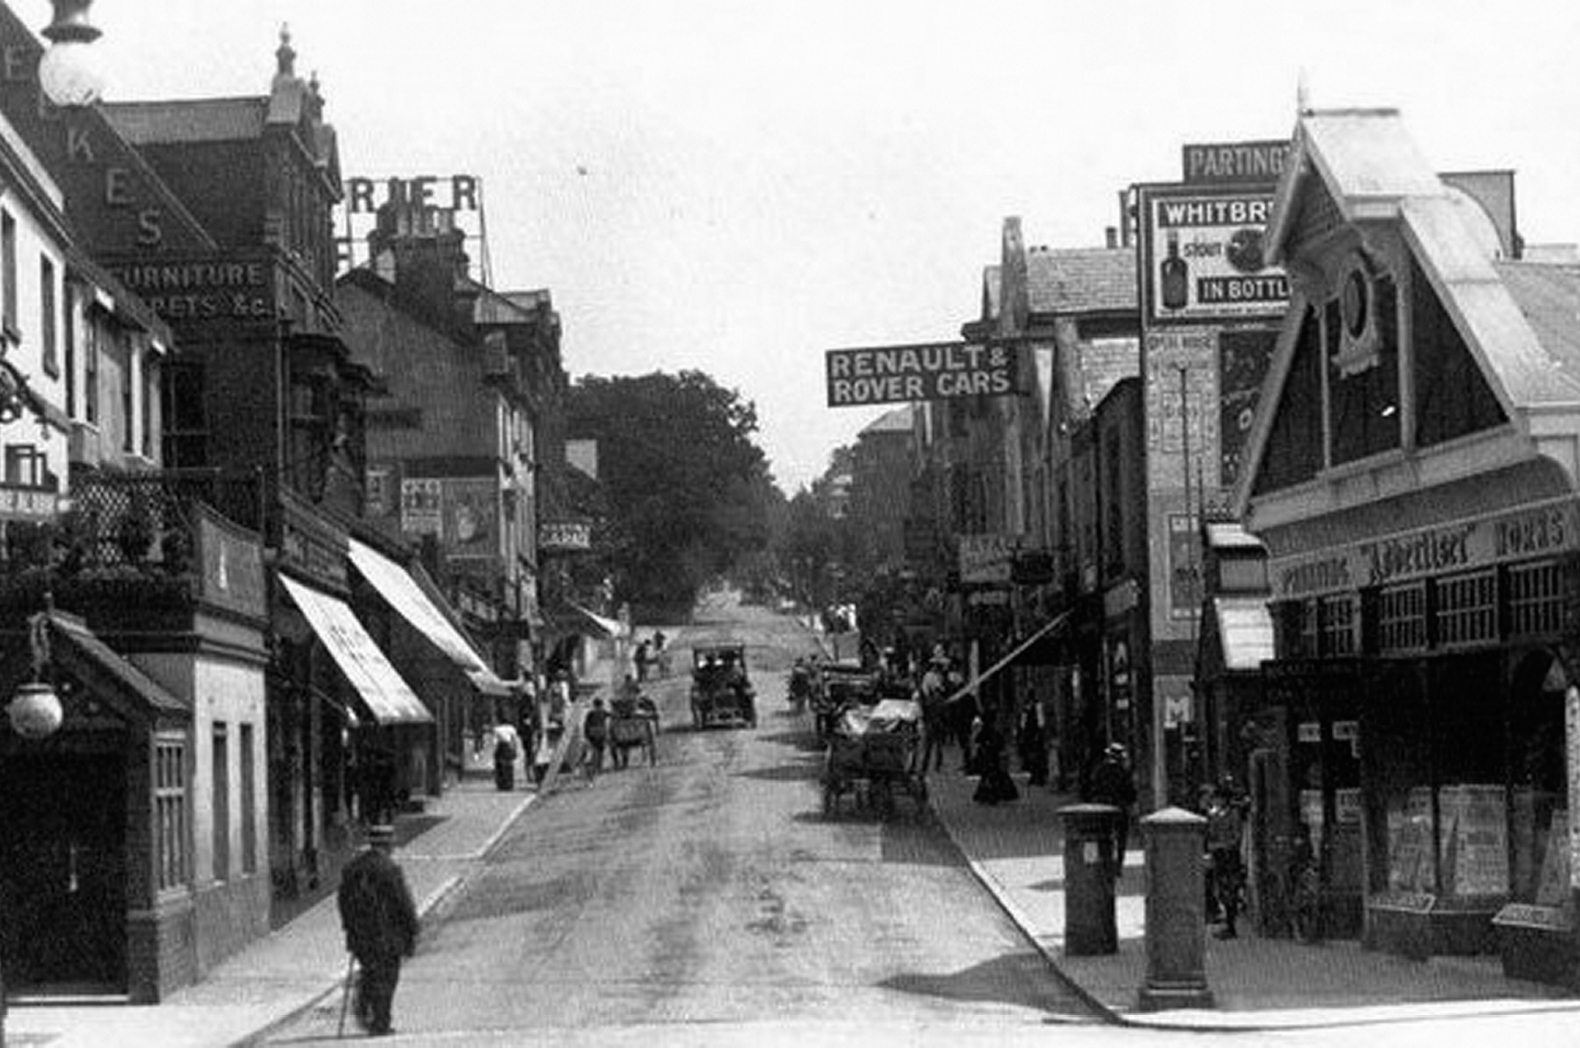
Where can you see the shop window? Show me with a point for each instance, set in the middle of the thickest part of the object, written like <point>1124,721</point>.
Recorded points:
<point>1401,618</point>
<point>1536,600</point>
<point>1467,609</point>
<point>1538,774</point>
<point>1336,623</point>
<point>170,812</point>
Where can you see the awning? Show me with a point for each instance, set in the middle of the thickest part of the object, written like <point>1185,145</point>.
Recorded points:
<point>574,618</point>
<point>1245,627</point>
<point>423,611</point>
<point>1046,628</point>
<point>389,699</point>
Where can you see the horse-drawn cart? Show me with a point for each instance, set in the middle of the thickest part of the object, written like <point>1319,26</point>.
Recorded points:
<point>872,752</point>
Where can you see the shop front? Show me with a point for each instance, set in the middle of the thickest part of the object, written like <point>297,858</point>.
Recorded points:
<point>1413,473</point>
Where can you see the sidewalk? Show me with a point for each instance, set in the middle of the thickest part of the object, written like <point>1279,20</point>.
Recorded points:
<point>295,966</point>
<point>1016,850</point>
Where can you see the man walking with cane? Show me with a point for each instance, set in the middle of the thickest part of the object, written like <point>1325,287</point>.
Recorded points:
<point>380,922</point>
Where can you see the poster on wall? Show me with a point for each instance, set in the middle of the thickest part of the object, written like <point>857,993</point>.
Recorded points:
<point>1475,838</point>
<point>1243,357</point>
<point>1182,408</point>
<point>421,505</point>
<point>1202,255</point>
<point>1185,568</point>
<point>469,516</point>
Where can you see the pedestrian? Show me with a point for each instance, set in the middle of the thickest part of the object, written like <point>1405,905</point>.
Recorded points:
<point>380,923</point>
<point>660,654</point>
<point>1032,742</point>
<point>1113,784</point>
<point>595,729</point>
<point>507,746</point>
<point>935,714</point>
<point>1226,867</point>
<point>995,785</point>
<point>642,658</point>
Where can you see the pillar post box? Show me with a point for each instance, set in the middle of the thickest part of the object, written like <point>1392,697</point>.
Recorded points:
<point>1089,869</point>
<point>1176,918</point>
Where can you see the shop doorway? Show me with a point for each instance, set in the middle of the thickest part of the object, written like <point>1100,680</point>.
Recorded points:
<point>63,873</point>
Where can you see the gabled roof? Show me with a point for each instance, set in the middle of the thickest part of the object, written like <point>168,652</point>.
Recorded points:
<point>1518,320</point>
<point>1080,280</point>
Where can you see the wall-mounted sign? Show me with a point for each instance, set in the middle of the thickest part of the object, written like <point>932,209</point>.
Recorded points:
<point>932,371</point>
<point>421,505</point>
<point>441,203</point>
<point>232,562</point>
<point>1532,531</point>
<point>1202,255</point>
<point>564,536</point>
<point>986,559</point>
<point>211,288</point>
<point>34,505</point>
<point>1234,163</point>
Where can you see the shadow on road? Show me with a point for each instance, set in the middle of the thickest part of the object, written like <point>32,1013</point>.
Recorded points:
<point>1014,978</point>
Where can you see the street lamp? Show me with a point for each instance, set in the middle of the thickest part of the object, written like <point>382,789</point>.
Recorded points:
<point>68,73</point>
<point>35,712</point>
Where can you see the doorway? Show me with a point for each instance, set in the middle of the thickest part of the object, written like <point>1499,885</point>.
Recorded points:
<point>63,872</point>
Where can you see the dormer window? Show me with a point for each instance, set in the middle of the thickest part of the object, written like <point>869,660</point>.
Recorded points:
<point>1360,340</point>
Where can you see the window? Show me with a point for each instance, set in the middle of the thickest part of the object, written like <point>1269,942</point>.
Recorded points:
<point>1336,625</point>
<point>170,812</point>
<point>73,295</point>
<point>1536,603</point>
<point>1401,618</point>
<point>24,465</point>
<point>221,761</point>
<point>1467,608</point>
<point>8,274</point>
<point>129,402</point>
<point>249,800</point>
<point>185,418</point>
<point>90,372</point>
<point>46,316</point>
<point>145,381</point>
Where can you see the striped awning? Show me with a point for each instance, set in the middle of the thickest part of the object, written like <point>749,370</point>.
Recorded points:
<point>388,698</point>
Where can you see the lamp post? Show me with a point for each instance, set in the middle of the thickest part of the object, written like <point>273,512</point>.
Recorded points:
<point>68,73</point>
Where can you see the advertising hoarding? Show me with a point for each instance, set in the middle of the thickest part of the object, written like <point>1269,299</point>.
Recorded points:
<point>1202,257</point>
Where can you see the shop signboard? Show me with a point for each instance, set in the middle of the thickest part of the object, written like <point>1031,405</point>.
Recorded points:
<point>987,559</point>
<point>443,201</point>
<point>564,536</point>
<point>421,505</point>
<point>28,504</point>
<point>1532,531</point>
<point>930,371</point>
<point>1234,163</point>
<point>1202,255</point>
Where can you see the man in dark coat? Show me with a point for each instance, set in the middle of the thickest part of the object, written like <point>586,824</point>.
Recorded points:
<point>380,921</point>
<point>1113,784</point>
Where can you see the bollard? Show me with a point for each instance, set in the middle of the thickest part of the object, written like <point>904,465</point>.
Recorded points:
<point>1176,919</point>
<point>1089,926</point>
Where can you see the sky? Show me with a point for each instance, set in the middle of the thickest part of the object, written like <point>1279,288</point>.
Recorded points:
<point>736,186</point>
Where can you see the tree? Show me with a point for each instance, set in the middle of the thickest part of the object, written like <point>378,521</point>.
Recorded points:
<point>689,492</point>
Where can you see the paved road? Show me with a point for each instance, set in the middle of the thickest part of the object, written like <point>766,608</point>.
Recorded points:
<point>709,901</point>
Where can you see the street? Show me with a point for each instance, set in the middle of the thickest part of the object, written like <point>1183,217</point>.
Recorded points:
<point>709,898</point>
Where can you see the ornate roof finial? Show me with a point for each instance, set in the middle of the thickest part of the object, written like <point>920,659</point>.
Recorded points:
<point>1302,94</point>
<point>285,54</point>
<point>312,86</point>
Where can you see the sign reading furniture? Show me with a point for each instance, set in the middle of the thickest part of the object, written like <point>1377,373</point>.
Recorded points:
<point>928,371</point>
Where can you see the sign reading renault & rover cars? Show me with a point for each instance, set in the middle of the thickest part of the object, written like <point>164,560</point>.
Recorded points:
<point>930,371</point>
<point>1202,258</point>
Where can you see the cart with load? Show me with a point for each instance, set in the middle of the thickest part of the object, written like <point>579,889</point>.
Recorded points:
<point>721,689</point>
<point>872,753</point>
<point>841,685</point>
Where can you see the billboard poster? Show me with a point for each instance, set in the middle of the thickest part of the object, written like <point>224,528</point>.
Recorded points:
<point>1182,412</point>
<point>469,516</point>
<point>421,505</point>
<point>1243,357</point>
<point>1185,568</point>
<point>931,371</point>
<point>1202,255</point>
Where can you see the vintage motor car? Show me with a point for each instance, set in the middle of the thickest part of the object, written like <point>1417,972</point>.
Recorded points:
<point>721,688</point>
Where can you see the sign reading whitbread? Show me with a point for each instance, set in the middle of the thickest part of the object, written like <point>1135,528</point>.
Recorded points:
<point>930,371</point>
<point>1203,255</point>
